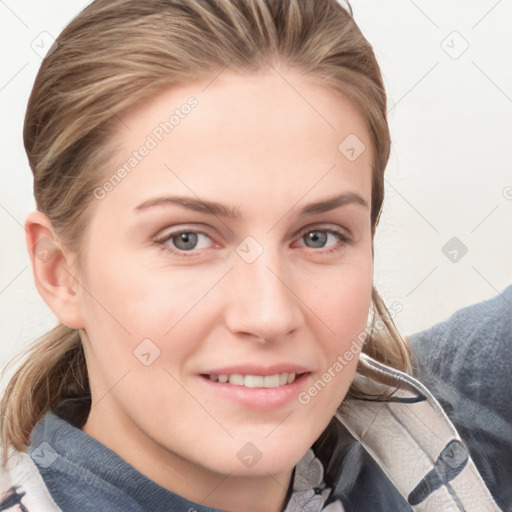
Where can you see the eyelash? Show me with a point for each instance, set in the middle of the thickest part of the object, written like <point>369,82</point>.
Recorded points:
<point>161,242</point>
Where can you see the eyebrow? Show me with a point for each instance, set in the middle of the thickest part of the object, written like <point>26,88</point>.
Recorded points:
<point>218,209</point>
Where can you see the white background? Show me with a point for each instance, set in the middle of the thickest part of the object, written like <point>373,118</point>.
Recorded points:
<point>449,174</point>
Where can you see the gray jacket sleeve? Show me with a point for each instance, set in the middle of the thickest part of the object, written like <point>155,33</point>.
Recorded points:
<point>466,362</point>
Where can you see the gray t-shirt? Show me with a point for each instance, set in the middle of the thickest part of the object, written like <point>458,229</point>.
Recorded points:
<point>466,362</point>
<point>83,474</point>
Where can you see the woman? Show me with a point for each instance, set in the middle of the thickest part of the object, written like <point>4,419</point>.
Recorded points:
<point>209,177</point>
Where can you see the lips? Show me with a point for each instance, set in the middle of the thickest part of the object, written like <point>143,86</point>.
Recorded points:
<point>260,387</point>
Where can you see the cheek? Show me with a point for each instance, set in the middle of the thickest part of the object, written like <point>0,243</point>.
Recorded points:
<point>347,313</point>
<point>342,298</point>
<point>132,309</point>
<point>125,293</point>
<point>342,304</point>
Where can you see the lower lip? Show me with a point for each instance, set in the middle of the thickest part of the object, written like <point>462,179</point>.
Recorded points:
<point>259,398</point>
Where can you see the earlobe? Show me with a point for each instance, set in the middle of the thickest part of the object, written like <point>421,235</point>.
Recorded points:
<point>54,278</point>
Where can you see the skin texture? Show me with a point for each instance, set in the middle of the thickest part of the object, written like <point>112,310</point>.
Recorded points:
<point>256,144</point>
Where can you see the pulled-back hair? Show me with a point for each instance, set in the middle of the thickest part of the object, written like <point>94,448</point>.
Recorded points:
<point>117,54</point>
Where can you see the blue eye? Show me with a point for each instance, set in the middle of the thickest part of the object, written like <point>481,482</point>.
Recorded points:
<point>318,238</point>
<point>181,242</point>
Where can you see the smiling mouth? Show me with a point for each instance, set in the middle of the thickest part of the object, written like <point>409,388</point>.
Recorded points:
<point>255,381</point>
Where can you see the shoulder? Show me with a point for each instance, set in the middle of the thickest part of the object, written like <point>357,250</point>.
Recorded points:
<point>466,362</point>
<point>471,351</point>
<point>488,322</point>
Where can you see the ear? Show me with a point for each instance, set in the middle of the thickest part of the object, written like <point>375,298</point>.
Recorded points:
<point>52,269</point>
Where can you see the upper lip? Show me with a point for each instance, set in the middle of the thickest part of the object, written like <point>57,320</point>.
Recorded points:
<point>251,369</point>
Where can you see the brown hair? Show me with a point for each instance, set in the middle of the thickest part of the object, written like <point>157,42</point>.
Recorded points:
<point>118,53</point>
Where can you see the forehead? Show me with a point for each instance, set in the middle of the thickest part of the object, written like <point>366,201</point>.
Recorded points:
<point>277,133</point>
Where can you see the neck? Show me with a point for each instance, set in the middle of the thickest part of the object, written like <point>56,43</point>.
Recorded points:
<point>233,493</point>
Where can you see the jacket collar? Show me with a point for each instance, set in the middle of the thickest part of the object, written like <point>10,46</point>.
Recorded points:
<point>413,441</point>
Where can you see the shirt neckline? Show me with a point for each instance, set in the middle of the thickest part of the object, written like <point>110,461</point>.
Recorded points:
<point>57,445</point>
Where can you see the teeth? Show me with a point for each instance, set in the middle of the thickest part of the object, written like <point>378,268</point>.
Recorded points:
<point>256,381</point>
<point>271,381</point>
<point>253,381</point>
<point>236,379</point>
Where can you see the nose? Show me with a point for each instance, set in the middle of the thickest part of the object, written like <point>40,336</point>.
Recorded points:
<point>262,302</point>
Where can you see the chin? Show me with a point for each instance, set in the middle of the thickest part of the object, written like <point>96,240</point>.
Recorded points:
<point>259,457</point>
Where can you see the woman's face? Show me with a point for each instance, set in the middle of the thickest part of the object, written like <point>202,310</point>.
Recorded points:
<point>236,244</point>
